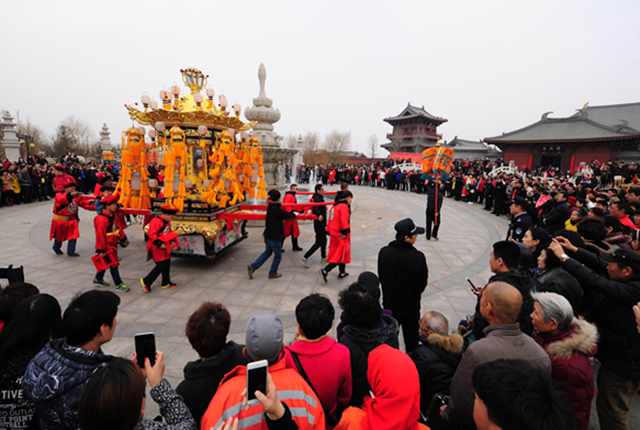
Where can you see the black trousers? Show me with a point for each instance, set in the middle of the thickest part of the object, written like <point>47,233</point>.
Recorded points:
<point>341,267</point>
<point>410,323</point>
<point>162,267</point>
<point>320,243</point>
<point>430,222</point>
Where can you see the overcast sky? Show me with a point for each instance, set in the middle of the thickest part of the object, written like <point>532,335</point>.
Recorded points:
<point>487,66</point>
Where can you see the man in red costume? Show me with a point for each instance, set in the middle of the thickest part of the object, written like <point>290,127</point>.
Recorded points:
<point>64,225</point>
<point>339,229</point>
<point>291,225</point>
<point>157,249</point>
<point>60,178</point>
<point>108,233</point>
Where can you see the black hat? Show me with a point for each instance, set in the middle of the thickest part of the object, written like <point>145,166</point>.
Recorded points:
<point>273,195</point>
<point>520,201</point>
<point>408,228</point>
<point>628,257</point>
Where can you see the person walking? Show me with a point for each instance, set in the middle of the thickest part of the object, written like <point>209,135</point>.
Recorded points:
<point>319,227</point>
<point>339,227</point>
<point>64,225</point>
<point>273,236</point>
<point>291,224</point>
<point>108,234</point>
<point>157,249</point>
<point>434,217</point>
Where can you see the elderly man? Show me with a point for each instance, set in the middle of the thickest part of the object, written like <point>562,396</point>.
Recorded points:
<point>616,277</point>
<point>500,305</point>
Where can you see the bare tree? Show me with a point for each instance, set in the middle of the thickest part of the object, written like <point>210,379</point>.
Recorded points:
<point>38,141</point>
<point>82,134</point>
<point>336,145</point>
<point>290,141</point>
<point>373,145</point>
<point>311,148</point>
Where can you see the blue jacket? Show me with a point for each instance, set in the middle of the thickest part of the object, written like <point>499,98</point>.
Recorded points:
<point>54,381</point>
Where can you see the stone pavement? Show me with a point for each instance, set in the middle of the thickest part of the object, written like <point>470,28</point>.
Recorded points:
<point>463,250</point>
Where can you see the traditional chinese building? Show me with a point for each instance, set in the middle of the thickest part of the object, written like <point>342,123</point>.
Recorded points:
<point>472,149</point>
<point>605,133</point>
<point>414,130</point>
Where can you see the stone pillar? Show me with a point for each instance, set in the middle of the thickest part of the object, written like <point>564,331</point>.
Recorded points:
<point>10,140</point>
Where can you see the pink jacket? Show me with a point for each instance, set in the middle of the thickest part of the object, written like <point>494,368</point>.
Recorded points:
<point>328,366</point>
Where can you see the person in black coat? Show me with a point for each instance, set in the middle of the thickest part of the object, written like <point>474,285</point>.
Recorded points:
<point>403,274</point>
<point>499,196</point>
<point>520,221</point>
<point>319,227</point>
<point>207,331</point>
<point>616,277</point>
<point>273,236</point>
<point>432,197</point>
<point>436,357</point>
<point>366,329</point>
<point>559,214</point>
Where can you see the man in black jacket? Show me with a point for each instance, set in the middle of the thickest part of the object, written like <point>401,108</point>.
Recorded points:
<point>273,236</point>
<point>434,198</point>
<point>616,277</point>
<point>559,214</point>
<point>403,274</point>
<point>319,227</point>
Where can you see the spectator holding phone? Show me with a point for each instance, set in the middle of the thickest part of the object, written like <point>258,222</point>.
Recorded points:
<point>264,336</point>
<point>114,398</point>
<point>55,377</point>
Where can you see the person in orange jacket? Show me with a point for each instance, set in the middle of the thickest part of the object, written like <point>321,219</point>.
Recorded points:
<point>339,229</point>
<point>108,233</point>
<point>157,249</point>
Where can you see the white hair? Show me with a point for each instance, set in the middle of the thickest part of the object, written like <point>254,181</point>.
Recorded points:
<point>555,306</point>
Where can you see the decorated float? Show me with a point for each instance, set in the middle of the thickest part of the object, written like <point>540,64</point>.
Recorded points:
<point>209,164</point>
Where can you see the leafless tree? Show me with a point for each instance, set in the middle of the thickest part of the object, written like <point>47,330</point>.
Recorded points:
<point>290,141</point>
<point>39,141</point>
<point>82,134</point>
<point>311,148</point>
<point>336,144</point>
<point>373,145</point>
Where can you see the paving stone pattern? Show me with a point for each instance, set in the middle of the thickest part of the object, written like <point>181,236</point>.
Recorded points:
<point>463,250</point>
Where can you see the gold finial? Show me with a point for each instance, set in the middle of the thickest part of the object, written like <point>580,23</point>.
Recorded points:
<point>586,105</point>
<point>194,79</point>
<point>438,142</point>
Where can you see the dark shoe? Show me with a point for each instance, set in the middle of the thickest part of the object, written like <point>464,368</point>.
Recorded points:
<point>169,286</point>
<point>343,275</point>
<point>298,249</point>
<point>428,238</point>
<point>122,288</point>
<point>100,282</point>
<point>277,275</point>
<point>324,274</point>
<point>282,250</point>
<point>75,254</point>
<point>250,270</point>
<point>146,288</point>
<point>58,252</point>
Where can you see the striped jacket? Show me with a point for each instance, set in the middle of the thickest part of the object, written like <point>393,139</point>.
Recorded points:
<point>303,403</point>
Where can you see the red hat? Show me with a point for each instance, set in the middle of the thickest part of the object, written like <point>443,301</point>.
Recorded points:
<point>109,200</point>
<point>59,167</point>
<point>70,183</point>
<point>572,200</point>
<point>169,209</point>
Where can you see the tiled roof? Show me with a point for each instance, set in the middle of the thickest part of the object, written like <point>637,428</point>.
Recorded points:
<point>574,128</point>
<point>460,143</point>
<point>614,115</point>
<point>412,112</point>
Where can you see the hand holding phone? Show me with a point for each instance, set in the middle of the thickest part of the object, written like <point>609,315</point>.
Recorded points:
<point>475,290</point>
<point>145,348</point>
<point>256,380</point>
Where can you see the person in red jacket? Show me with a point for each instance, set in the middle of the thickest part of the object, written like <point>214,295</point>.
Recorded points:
<point>291,225</point>
<point>108,233</point>
<point>157,249</point>
<point>60,178</point>
<point>64,225</point>
<point>569,343</point>
<point>339,229</point>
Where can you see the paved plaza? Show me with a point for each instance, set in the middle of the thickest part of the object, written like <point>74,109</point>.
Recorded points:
<point>463,250</point>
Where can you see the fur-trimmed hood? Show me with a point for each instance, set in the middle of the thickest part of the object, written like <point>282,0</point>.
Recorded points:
<point>452,344</point>
<point>597,246</point>
<point>581,337</point>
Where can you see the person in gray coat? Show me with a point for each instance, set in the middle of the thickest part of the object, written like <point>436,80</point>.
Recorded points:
<point>500,305</point>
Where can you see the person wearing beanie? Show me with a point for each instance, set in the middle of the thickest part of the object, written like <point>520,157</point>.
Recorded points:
<point>574,219</point>
<point>108,234</point>
<point>273,236</point>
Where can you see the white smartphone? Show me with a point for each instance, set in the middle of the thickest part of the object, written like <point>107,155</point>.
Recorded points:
<point>256,380</point>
